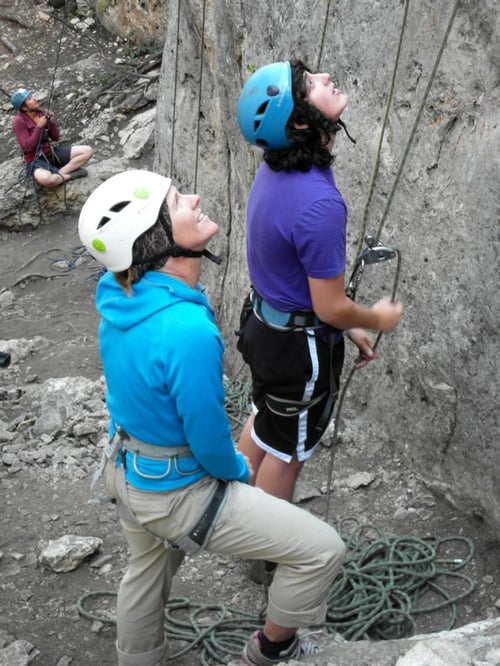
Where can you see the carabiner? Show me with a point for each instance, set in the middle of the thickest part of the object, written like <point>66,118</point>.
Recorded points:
<point>373,254</point>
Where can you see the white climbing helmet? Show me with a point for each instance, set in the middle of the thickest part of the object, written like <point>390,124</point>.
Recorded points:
<point>118,212</point>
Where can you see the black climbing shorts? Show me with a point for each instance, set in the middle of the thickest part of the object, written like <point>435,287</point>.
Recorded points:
<point>292,367</point>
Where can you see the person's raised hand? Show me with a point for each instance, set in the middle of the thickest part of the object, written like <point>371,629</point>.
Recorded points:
<point>389,314</point>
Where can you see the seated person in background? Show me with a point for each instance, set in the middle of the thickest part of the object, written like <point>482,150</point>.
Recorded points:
<point>35,128</point>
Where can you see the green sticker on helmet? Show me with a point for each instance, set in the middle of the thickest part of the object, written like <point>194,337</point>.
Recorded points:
<point>141,193</point>
<point>98,245</point>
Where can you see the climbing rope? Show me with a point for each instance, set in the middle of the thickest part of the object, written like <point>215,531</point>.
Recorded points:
<point>376,239</point>
<point>237,399</point>
<point>200,82</point>
<point>174,96</point>
<point>385,584</point>
<point>373,178</point>
<point>61,262</point>
<point>323,34</point>
<point>417,119</point>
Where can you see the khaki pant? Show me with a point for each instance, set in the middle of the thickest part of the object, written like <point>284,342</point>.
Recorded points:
<point>250,525</point>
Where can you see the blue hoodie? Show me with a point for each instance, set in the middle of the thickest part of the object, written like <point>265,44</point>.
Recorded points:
<point>162,357</point>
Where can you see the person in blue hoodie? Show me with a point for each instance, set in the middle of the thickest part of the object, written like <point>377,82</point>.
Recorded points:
<point>171,465</point>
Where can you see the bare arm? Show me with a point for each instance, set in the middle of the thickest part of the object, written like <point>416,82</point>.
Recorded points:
<point>332,306</point>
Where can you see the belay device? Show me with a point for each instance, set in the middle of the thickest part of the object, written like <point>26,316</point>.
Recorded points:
<point>375,253</point>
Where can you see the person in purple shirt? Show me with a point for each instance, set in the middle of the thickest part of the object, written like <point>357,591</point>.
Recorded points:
<point>293,323</point>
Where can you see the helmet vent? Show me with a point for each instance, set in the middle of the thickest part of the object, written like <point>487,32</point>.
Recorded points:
<point>273,90</point>
<point>262,108</point>
<point>103,221</point>
<point>117,207</point>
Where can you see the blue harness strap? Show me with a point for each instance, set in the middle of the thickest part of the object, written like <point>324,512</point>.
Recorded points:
<point>283,321</point>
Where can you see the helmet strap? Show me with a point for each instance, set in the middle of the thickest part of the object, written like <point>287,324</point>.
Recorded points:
<point>341,125</point>
<point>212,257</point>
<point>175,250</point>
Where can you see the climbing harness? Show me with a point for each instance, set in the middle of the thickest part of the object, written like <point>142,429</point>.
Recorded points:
<point>118,446</point>
<point>301,320</point>
<point>283,321</point>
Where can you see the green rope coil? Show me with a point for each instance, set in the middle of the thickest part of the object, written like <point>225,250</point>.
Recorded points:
<point>385,580</point>
<point>238,396</point>
<point>382,588</point>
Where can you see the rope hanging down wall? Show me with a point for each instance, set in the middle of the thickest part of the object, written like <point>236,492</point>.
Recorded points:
<point>375,240</point>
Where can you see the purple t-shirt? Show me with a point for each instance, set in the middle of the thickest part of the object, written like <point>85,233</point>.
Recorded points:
<point>296,226</point>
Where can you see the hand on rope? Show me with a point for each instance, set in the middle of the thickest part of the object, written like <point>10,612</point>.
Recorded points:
<point>375,253</point>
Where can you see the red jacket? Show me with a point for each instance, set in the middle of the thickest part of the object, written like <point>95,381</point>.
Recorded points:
<point>28,134</point>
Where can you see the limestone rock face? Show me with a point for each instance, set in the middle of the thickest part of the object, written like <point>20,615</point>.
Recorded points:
<point>141,21</point>
<point>434,392</point>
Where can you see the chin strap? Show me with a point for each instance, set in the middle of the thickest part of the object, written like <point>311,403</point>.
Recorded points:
<point>212,257</point>
<point>341,125</point>
<point>176,250</point>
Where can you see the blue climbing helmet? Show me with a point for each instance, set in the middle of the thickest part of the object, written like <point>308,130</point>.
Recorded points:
<point>265,105</point>
<point>19,97</point>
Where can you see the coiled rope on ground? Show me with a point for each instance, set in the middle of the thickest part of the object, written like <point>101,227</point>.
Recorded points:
<point>384,585</point>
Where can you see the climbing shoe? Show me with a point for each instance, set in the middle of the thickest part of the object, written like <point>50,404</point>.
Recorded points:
<point>252,652</point>
<point>79,173</point>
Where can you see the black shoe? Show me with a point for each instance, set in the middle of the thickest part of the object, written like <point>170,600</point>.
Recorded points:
<point>79,173</point>
<point>262,571</point>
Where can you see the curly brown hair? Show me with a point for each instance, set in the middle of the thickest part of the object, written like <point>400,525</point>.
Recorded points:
<point>309,145</point>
